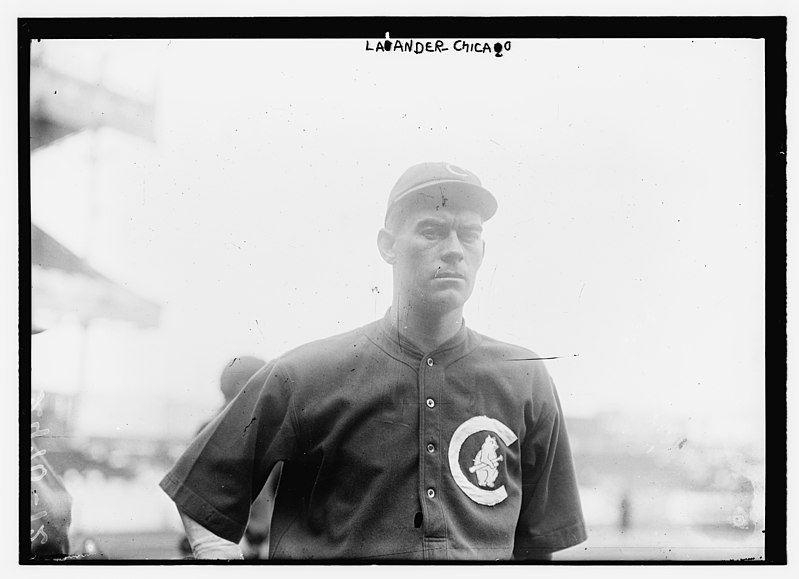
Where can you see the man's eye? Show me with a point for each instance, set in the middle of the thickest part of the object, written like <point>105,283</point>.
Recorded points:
<point>431,233</point>
<point>469,236</point>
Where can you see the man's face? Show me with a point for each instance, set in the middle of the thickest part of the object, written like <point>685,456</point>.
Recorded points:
<point>436,255</point>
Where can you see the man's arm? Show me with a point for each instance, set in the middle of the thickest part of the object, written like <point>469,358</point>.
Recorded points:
<point>551,517</point>
<point>213,481</point>
<point>206,545</point>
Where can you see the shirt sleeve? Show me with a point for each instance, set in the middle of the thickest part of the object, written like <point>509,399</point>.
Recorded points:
<point>224,468</point>
<point>551,516</point>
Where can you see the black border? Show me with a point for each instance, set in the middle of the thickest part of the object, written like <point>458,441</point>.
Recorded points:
<point>374,27</point>
<point>770,28</point>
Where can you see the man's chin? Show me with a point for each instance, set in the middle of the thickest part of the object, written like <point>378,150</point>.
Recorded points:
<point>443,301</point>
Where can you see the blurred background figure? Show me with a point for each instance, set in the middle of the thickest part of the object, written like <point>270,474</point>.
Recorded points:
<point>236,374</point>
<point>625,511</point>
<point>255,544</point>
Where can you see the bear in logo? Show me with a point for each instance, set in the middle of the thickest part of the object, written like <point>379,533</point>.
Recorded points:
<point>486,462</point>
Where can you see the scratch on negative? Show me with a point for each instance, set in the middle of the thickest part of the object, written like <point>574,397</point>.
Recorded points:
<point>250,424</point>
<point>545,358</point>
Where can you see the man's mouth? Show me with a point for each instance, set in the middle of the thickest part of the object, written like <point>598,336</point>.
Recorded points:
<point>441,274</point>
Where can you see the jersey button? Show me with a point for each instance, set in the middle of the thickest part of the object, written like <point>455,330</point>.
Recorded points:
<point>431,448</point>
<point>431,493</point>
<point>430,402</point>
<point>429,361</point>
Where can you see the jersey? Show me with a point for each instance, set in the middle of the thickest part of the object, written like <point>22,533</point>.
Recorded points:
<point>391,453</point>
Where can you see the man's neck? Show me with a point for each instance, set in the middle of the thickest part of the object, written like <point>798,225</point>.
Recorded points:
<point>426,330</point>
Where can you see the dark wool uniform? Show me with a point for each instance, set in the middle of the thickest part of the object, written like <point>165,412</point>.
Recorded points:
<point>459,453</point>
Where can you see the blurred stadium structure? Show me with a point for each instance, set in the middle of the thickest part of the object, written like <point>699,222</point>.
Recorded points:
<point>67,291</point>
<point>649,492</point>
<point>64,102</point>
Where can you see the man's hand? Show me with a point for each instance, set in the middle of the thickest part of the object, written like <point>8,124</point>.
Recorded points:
<point>205,544</point>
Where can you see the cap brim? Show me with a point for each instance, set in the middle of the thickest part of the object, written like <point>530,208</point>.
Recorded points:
<point>459,193</point>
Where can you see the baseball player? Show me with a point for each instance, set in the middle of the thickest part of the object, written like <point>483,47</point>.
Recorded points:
<point>411,438</point>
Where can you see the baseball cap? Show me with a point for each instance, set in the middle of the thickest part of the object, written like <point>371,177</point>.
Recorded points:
<point>236,374</point>
<point>453,183</point>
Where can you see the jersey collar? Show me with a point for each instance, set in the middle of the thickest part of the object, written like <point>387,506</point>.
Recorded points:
<point>394,343</point>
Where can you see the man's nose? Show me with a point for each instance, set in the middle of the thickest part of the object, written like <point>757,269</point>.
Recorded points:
<point>453,250</point>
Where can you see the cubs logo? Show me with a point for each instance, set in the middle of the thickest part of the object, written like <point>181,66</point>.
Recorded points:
<point>485,464</point>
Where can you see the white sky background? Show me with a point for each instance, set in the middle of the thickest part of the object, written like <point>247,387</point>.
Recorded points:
<point>630,181</point>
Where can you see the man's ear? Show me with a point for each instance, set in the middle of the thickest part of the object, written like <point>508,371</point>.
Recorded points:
<point>385,243</point>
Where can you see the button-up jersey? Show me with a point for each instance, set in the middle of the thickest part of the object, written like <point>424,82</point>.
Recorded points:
<point>389,452</point>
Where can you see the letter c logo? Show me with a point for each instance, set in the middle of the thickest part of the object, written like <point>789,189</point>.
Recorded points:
<point>464,431</point>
